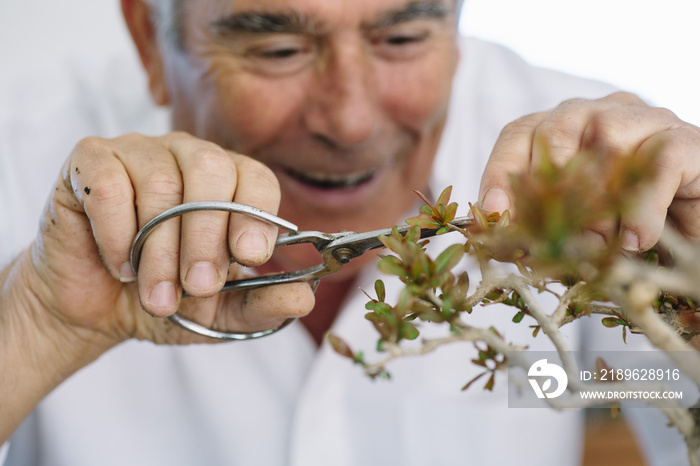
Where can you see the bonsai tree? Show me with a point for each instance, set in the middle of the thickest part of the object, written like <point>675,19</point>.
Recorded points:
<point>651,293</point>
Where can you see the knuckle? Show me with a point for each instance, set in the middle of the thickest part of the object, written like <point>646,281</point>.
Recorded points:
<point>558,134</point>
<point>625,98</point>
<point>213,160</point>
<point>664,114</point>
<point>90,145</point>
<point>166,183</point>
<point>260,174</point>
<point>132,138</point>
<point>181,134</point>
<point>572,101</point>
<point>522,125</point>
<point>110,189</point>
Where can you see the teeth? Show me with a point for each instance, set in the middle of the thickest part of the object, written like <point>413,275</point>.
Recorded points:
<point>324,180</point>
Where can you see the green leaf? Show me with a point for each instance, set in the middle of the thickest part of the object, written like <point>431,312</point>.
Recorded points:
<point>392,265</point>
<point>426,210</point>
<point>610,322</point>
<point>518,317</point>
<point>409,331</point>
<point>449,258</point>
<point>380,290</point>
<point>381,309</point>
<point>443,230</point>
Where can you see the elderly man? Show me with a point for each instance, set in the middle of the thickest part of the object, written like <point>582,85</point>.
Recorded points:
<point>329,113</point>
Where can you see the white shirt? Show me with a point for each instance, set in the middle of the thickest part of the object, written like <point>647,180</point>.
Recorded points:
<point>279,400</point>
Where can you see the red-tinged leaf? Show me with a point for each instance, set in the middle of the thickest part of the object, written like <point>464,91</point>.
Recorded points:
<point>624,334</point>
<point>489,385</point>
<point>425,199</point>
<point>380,290</point>
<point>340,346</point>
<point>536,330</point>
<point>479,362</point>
<point>474,380</point>
<point>450,212</point>
<point>610,322</point>
<point>449,258</point>
<point>423,222</point>
<point>444,197</point>
<point>479,218</point>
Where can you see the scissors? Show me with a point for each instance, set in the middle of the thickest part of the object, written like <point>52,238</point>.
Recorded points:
<point>335,249</point>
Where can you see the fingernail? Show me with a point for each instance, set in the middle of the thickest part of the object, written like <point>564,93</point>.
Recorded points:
<point>253,241</point>
<point>202,276</point>
<point>126,273</point>
<point>163,296</point>
<point>496,200</point>
<point>629,240</point>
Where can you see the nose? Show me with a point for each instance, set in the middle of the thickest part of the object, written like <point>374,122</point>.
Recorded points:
<point>343,110</point>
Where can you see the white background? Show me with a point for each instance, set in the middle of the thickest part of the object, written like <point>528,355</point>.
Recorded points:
<point>651,47</point>
<point>646,46</point>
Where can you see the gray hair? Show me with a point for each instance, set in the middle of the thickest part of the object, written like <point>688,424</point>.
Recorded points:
<point>167,16</point>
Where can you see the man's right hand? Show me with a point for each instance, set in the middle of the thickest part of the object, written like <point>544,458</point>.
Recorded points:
<point>72,294</point>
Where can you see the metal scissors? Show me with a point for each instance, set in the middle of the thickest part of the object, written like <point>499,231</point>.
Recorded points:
<point>335,249</point>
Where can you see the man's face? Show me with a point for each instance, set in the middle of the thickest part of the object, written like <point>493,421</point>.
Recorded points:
<point>344,100</point>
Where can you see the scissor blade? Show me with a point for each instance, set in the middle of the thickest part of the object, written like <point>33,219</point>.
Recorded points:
<point>360,243</point>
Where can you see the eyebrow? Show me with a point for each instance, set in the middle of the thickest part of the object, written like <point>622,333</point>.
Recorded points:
<point>430,9</point>
<point>296,23</point>
<point>262,23</point>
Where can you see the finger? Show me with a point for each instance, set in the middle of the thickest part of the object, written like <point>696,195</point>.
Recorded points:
<point>209,174</point>
<point>622,130</point>
<point>675,188</point>
<point>611,123</point>
<point>157,183</point>
<point>559,134</point>
<point>252,241</point>
<point>252,310</point>
<point>102,185</point>
<point>511,154</point>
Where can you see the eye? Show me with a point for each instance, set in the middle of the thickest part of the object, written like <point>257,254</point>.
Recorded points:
<point>405,39</point>
<point>279,53</point>
<point>280,57</point>
<point>401,43</point>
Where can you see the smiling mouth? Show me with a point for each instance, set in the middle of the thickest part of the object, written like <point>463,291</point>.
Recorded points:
<point>327,181</point>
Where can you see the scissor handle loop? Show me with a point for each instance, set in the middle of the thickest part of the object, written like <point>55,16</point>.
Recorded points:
<point>232,207</point>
